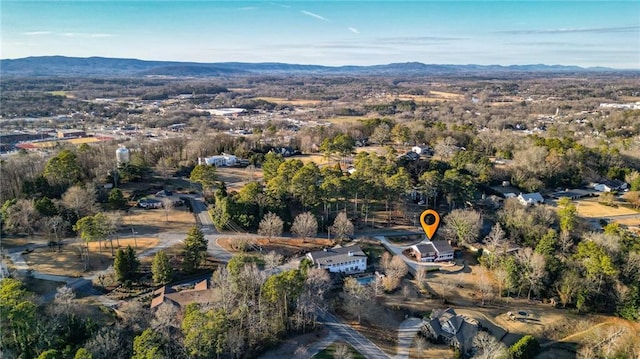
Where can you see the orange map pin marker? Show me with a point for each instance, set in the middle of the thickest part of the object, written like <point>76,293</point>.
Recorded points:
<point>430,229</point>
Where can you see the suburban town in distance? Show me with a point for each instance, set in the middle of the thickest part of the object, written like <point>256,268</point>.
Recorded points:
<point>321,187</point>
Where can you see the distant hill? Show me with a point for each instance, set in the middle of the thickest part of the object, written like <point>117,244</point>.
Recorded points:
<point>58,66</point>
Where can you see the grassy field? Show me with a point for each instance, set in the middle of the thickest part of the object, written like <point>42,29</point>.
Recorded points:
<point>236,178</point>
<point>68,262</point>
<point>590,208</point>
<point>155,220</point>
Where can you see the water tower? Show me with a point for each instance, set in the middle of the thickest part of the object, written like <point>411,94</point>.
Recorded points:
<point>122,155</point>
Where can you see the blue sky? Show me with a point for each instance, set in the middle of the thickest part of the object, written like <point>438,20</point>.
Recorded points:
<point>584,33</point>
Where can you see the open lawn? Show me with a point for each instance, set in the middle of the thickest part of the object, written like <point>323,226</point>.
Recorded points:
<point>235,178</point>
<point>287,247</point>
<point>292,102</point>
<point>590,208</point>
<point>69,263</point>
<point>430,350</point>
<point>146,221</point>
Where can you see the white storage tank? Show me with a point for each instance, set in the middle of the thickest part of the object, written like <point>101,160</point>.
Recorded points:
<point>122,155</point>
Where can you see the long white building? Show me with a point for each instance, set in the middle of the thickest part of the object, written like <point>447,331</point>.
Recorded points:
<point>345,260</point>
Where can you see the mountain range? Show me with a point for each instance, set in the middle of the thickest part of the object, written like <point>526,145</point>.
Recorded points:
<point>61,66</point>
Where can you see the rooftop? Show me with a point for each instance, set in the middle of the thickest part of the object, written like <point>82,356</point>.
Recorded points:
<point>336,255</point>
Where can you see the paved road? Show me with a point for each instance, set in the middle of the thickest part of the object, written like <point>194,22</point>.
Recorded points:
<point>210,233</point>
<point>345,332</point>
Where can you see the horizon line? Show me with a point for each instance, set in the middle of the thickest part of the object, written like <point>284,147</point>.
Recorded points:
<point>328,66</point>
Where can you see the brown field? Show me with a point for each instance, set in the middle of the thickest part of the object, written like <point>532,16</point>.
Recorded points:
<point>416,98</point>
<point>283,245</point>
<point>431,351</point>
<point>68,261</point>
<point>236,178</point>
<point>292,102</point>
<point>155,220</point>
<point>629,222</point>
<point>590,208</point>
<point>448,95</point>
<point>345,119</point>
<point>630,98</point>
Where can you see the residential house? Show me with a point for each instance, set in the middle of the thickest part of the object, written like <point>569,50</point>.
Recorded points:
<point>445,326</point>
<point>433,251</point>
<point>610,186</point>
<point>529,199</point>
<point>422,150</point>
<point>572,194</point>
<point>218,161</point>
<point>200,293</point>
<point>349,259</point>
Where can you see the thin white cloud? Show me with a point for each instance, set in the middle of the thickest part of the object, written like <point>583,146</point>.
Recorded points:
<point>319,17</point>
<point>600,30</point>
<point>247,8</point>
<point>353,29</point>
<point>36,33</point>
<point>85,35</point>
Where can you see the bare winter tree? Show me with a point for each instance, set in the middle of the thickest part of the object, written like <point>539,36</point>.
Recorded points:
<point>305,225</point>
<point>488,347</point>
<point>421,278</point>
<point>167,205</point>
<point>270,226</point>
<point>463,225</point>
<point>446,147</point>
<point>56,226</point>
<point>357,298</point>
<point>21,217</point>
<point>342,352</point>
<point>342,227</point>
<point>395,269</point>
<point>271,261</point>
<point>378,286</point>
<point>82,200</point>
<point>485,290</point>
<point>533,269</point>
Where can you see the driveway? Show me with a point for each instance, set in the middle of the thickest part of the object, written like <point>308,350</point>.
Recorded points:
<point>345,332</point>
<point>406,332</point>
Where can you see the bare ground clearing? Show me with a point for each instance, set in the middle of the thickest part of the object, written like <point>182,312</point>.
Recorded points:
<point>590,208</point>
<point>146,221</point>
<point>236,178</point>
<point>68,262</point>
<point>284,246</point>
<point>293,102</point>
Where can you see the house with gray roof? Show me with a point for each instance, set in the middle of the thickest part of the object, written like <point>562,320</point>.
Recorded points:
<point>446,326</point>
<point>433,251</point>
<point>349,259</point>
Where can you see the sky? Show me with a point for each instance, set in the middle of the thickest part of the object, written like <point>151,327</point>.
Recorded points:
<point>338,32</point>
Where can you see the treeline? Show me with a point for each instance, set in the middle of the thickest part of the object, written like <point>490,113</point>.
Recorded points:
<point>248,310</point>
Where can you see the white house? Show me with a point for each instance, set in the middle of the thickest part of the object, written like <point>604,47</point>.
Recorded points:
<point>610,186</point>
<point>422,150</point>
<point>344,260</point>
<point>529,199</point>
<point>218,161</point>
